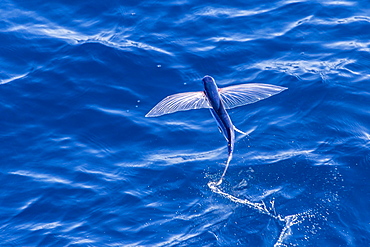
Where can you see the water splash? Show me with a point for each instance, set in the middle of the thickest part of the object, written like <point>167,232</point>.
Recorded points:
<point>287,221</point>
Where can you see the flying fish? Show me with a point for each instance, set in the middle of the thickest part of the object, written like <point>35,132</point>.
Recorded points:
<point>217,100</point>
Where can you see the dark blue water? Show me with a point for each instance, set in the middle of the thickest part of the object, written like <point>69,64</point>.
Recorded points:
<point>82,166</point>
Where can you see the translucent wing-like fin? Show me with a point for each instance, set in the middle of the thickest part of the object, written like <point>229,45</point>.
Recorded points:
<point>244,94</point>
<point>179,102</point>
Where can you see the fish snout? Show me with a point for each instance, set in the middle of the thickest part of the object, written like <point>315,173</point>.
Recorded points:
<point>208,79</point>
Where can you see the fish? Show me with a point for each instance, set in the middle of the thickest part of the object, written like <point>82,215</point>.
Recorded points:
<point>217,100</point>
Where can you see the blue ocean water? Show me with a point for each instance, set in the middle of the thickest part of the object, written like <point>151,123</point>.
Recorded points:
<point>82,166</point>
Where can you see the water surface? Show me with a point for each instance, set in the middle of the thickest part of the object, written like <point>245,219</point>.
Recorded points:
<point>82,166</point>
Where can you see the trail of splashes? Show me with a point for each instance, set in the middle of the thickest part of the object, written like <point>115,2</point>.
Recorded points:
<point>261,207</point>
<point>288,221</point>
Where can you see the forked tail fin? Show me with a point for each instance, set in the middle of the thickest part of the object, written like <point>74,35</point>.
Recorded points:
<point>226,167</point>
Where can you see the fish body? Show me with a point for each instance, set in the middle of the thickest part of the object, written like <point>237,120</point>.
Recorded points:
<point>217,100</point>
<point>219,112</point>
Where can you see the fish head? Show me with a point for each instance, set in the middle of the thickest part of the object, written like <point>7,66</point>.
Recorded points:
<point>208,80</point>
<point>209,83</point>
<point>212,92</point>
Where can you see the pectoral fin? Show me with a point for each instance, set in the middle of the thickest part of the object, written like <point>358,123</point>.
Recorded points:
<point>179,102</point>
<point>244,94</point>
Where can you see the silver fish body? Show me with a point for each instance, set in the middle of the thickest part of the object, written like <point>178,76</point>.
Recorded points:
<point>219,112</point>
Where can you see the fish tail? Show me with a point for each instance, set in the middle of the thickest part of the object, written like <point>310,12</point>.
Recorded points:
<point>230,148</point>
<point>227,165</point>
